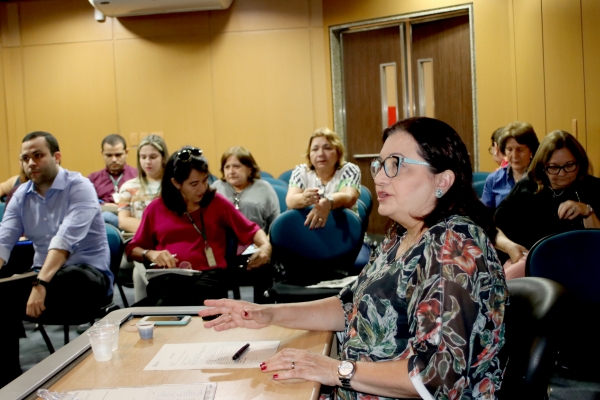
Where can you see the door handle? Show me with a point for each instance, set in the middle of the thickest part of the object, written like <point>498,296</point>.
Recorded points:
<point>365,156</point>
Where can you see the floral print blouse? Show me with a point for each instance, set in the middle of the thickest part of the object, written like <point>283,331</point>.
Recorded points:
<point>440,305</point>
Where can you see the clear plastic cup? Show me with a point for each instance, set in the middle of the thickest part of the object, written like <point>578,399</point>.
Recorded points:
<point>102,342</point>
<point>185,265</point>
<point>110,324</point>
<point>146,329</point>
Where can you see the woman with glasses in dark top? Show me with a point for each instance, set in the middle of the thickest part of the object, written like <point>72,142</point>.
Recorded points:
<point>425,319</point>
<point>558,194</point>
<point>189,224</point>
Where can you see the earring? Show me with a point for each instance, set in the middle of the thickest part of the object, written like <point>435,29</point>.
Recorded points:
<point>439,193</point>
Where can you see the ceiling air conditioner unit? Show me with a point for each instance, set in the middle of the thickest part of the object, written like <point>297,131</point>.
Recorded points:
<point>126,8</point>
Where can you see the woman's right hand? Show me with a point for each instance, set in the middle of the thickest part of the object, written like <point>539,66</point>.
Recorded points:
<point>162,258</point>
<point>235,313</point>
<point>516,252</point>
<point>310,196</point>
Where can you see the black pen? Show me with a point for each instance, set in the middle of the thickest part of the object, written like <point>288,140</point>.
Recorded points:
<point>241,351</point>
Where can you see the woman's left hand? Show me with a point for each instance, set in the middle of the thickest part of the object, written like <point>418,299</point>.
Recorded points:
<point>302,364</point>
<point>317,217</point>
<point>261,257</point>
<point>571,209</point>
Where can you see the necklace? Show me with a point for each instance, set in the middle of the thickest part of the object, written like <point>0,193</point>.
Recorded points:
<point>409,242</point>
<point>554,193</point>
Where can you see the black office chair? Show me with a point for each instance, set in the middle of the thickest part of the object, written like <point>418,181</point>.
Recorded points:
<point>116,247</point>
<point>571,259</point>
<point>533,333</point>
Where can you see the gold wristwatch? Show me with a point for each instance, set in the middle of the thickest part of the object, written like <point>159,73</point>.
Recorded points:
<point>346,371</point>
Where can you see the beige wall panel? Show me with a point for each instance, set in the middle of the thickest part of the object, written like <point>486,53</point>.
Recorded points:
<point>70,92</point>
<point>316,12</point>
<point>254,15</point>
<point>12,60</point>
<point>164,85</point>
<point>529,54</point>
<point>5,167</point>
<point>263,96</point>
<point>495,82</point>
<point>61,21</point>
<point>591,44</point>
<point>319,82</point>
<point>161,25</point>
<point>563,64</point>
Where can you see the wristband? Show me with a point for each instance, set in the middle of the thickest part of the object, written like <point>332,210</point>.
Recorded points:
<point>589,212</point>
<point>38,281</point>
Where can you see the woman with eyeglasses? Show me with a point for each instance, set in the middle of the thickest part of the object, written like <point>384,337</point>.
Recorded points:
<point>519,143</point>
<point>189,223</point>
<point>240,183</point>
<point>326,182</point>
<point>558,194</point>
<point>426,317</point>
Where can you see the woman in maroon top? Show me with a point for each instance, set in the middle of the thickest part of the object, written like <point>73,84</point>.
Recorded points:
<point>189,222</point>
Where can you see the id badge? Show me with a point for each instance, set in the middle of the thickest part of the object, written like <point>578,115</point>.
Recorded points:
<point>210,257</point>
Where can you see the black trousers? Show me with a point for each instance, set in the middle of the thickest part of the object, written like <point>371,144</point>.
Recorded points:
<point>76,292</point>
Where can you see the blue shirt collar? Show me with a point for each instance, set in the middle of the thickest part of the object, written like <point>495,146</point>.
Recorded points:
<point>60,182</point>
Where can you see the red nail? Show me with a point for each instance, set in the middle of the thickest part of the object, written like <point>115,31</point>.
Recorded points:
<point>263,367</point>
<point>245,313</point>
<point>275,376</point>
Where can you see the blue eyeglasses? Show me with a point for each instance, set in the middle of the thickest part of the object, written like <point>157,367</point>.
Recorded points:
<point>391,165</point>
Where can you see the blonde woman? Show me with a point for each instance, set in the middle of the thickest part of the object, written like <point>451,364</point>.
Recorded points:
<point>137,193</point>
<point>327,181</point>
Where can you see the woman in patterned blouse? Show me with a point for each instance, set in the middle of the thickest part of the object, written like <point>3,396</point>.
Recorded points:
<point>426,317</point>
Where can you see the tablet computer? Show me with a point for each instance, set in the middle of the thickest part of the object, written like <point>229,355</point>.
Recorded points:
<point>168,319</point>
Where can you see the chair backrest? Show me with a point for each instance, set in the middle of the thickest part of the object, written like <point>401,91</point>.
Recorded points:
<point>363,214</point>
<point>571,259</point>
<point>310,256</point>
<point>275,182</point>
<point>366,197</point>
<point>116,246</point>
<point>533,335</point>
<point>480,176</point>
<point>265,174</point>
<point>2,206</point>
<point>478,186</point>
<point>281,194</point>
<point>286,175</point>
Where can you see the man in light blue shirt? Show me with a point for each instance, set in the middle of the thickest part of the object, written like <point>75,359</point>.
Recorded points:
<point>59,212</point>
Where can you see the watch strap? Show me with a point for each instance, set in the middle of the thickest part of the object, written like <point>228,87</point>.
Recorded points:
<point>144,253</point>
<point>38,281</point>
<point>590,211</point>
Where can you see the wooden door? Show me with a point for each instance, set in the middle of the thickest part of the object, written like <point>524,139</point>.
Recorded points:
<point>446,44</point>
<point>364,53</point>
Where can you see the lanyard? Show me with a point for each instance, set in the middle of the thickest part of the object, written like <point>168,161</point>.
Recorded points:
<point>200,231</point>
<point>116,184</point>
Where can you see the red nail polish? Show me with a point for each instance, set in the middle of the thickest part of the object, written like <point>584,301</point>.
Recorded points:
<point>275,376</point>
<point>263,367</point>
<point>245,313</point>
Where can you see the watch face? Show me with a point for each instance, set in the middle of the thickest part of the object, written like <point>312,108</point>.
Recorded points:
<point>345,368</point>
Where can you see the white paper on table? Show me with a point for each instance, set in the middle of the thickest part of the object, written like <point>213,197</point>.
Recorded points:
<point>211,355</point>
<point>336,283</point>
<point>193,391</point>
